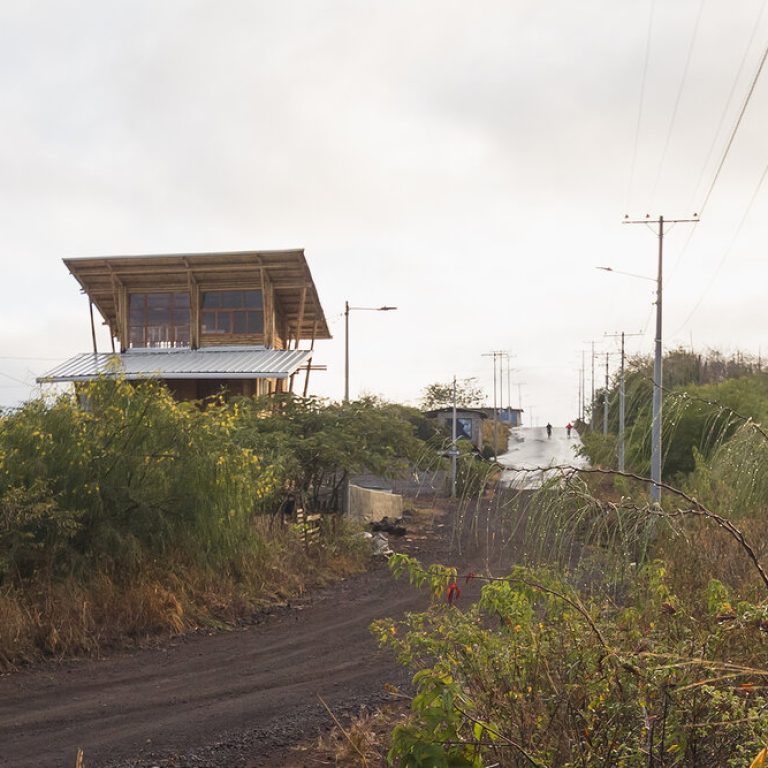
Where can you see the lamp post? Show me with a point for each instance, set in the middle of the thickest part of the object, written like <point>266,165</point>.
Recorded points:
<point>454,450</point>
<point>656,418</point>
<point>622,395</point>
<point>347,310</point>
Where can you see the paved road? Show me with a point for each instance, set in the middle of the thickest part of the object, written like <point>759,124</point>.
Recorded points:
<point>531,451</point>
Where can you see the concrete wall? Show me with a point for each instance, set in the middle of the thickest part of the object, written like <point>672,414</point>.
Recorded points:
<point>414,483</point>
<point>366,504</point>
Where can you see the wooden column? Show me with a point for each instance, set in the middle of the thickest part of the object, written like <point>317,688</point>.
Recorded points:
<point>193,289</point>
<point>309,361</point>
<point>300,317</point>
<point>122,318</point>
<point>93,327</point>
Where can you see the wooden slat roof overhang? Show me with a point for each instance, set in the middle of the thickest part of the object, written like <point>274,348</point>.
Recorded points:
<point>100,277</point>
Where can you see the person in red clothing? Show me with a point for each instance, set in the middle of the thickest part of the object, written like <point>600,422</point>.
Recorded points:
<point>568,428</point>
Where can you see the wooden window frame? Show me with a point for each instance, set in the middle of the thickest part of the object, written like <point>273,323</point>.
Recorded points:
<point>226,317</point>
<point>172,327</point>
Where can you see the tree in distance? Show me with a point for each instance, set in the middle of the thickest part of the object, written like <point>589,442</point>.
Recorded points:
<point>438,395</point>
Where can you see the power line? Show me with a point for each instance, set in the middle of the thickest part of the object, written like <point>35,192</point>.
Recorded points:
<point>723,114</point>
<point>732,92</point>
<point>12,357</point>
<point>727,251</point>
<point>13,378</point>
<point>736,79</point>
<point>680,89</point>
<point>640,106</point>
<point>734,131</point>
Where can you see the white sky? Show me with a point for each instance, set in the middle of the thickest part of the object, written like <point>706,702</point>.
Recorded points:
<point>469,163</point>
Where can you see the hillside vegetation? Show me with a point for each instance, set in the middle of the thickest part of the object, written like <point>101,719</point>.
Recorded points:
<point>124,513</point>
<point>705,399</point>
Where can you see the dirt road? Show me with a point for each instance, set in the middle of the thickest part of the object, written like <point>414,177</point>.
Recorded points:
<point>227,699</point>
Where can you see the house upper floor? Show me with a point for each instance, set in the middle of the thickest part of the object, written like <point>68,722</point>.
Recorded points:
<point>249,298</point>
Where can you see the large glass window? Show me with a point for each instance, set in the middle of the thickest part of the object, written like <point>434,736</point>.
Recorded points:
<point>232,312</point>
<point>158,319</point>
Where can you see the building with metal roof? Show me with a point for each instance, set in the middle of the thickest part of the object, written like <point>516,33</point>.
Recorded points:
<point>469,423</point>
<point>200,322</point>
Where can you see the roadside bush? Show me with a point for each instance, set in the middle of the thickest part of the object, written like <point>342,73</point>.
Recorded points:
<point>631,634</point>
<point>535,673</point>
<point>33,531</point>
<point>700,411</point>
<point>125,513</point>
<point>600,449</point>
<point>311,445</point>
<point>132,475</point>
<point>495,447</point>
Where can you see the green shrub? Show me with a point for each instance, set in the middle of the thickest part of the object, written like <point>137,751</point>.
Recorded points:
<point>536,674</point>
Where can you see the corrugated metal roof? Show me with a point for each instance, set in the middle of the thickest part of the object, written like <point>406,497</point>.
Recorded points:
<point>211,363</point>
<point>287,272</point>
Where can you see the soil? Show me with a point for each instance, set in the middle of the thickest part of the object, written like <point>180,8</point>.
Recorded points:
<point>241,698</point>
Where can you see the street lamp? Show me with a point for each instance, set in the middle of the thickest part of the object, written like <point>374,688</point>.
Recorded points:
<point>347,310</point>
<point>628,274</point>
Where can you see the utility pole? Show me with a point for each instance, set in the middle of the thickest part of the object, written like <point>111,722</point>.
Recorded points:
<point>495,410</point>
<point>605,398</point>
<point>621,395</point>
<point>622,406</point>
<point>502,355</point>
<point>519,385</point>
<point>592,401</point>
<point>508,357</point>
<point>581,378</point>
<point>509,388</point>
<point>656,450</point>
<point>454,450</point>
<point>494,354</point>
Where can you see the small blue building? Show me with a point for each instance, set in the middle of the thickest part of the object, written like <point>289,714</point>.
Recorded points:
<point>511,416</point>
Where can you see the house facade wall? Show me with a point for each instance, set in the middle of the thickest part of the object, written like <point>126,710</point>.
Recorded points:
<point>469,425</point>
<point>199,389</point>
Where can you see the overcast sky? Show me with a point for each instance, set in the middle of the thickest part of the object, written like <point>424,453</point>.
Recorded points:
<point>470,163</point>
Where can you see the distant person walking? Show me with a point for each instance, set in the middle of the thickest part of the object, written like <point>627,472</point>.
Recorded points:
<point>549,430</point>
<point>568,428</point>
